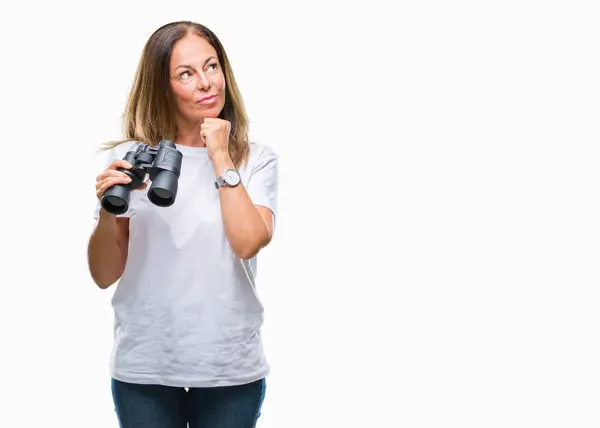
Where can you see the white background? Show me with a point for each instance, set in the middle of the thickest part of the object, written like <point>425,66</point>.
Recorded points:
<point>436,257</point>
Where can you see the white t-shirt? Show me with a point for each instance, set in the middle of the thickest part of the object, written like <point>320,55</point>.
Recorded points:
<point>186,309</point>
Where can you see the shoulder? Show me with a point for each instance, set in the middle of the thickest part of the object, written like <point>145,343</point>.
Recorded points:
<point>261,153</point>
<point>261,158</point>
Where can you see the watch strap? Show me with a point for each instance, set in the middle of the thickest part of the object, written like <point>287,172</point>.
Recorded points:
<point>220,182</point>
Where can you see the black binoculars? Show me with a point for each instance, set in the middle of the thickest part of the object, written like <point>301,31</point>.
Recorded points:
<point>162,164</point>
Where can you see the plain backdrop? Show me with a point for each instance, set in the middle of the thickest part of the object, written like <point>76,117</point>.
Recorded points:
<point>436,257</point>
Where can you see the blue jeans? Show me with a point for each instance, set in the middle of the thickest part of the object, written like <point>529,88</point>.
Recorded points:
<point>157,406</point>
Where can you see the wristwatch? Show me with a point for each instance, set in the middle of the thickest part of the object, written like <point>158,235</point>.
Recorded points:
<point>230,178</point>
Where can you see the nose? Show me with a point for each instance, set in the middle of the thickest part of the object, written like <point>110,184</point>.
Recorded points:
<point>203,82</point>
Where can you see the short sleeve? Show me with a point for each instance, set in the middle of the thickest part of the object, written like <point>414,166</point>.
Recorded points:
<point>111,157</point>
<point>262,183</point>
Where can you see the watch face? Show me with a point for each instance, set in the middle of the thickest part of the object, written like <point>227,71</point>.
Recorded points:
<point>232,178</point>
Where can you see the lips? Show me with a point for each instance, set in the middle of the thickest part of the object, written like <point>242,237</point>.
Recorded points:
<point>207,99</point>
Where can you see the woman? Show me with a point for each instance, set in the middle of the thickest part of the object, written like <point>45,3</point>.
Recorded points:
<point>187,318</point>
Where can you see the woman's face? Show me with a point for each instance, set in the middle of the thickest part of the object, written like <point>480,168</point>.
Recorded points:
<point>197,81</point>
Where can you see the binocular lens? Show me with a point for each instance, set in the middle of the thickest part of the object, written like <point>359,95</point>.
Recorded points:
<point>116,202</point>
<point>163,189</point>
<point>116,199</point>
<point>161,197</point>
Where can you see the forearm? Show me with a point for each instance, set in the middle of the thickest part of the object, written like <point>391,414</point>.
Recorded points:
<point>105,257</point>
<point>244,226</point>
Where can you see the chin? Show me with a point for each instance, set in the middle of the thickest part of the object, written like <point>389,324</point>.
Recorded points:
<point>212,112</point>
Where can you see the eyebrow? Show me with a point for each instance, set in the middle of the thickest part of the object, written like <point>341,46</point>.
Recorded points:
<point>189,66</point>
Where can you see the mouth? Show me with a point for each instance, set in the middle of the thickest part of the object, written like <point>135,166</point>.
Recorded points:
<point>207,100</point>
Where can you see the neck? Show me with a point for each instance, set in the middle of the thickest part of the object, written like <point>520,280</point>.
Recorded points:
<point>188,134</point>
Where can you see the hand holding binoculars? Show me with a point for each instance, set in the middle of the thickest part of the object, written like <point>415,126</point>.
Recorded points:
<point>163,166</point>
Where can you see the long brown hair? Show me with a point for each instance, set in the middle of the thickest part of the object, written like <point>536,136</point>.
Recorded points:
<point>150,113</point>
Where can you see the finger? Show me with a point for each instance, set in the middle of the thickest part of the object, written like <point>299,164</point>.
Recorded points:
<point>120,163</point>
<point>111,181</point>
<point>208,125</point>
<point>105,184</point>
<point>110,173</point>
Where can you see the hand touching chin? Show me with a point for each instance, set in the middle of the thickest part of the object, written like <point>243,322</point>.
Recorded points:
<point>215,134</point>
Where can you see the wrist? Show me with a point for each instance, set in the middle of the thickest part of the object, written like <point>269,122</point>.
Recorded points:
<point>221,162</point>
<point>106,219</point>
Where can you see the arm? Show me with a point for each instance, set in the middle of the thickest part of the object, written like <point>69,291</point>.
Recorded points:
<point>109,244</point>
<point>248,227</point>
<point>246,212</point>
<point>107,249</point>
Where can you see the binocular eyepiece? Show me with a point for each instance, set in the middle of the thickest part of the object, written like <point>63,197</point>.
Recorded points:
<point>162,164</point>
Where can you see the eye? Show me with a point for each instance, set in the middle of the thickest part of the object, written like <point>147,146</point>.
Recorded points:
<point>213,66</point>
<point>184,75</point>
